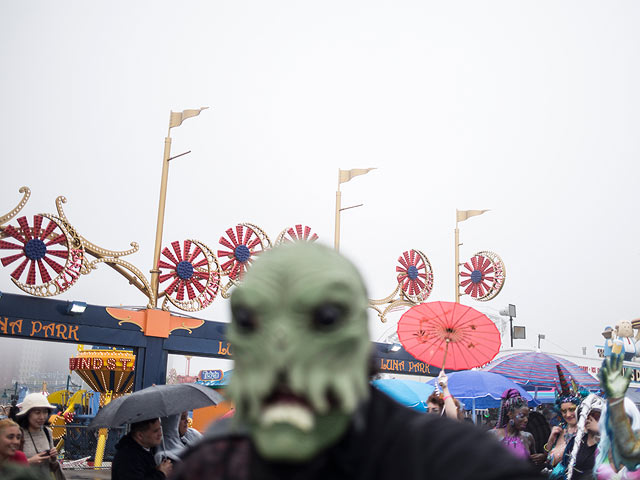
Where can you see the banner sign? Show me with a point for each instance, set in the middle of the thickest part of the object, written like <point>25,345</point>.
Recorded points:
<point>39,329</point>
<point>391,365</point>
<point>97,363</point>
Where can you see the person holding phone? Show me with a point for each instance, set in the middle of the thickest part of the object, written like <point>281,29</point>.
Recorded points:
<point>33,419</point>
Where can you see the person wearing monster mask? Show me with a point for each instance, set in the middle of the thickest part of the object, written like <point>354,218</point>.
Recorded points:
<point>304,406</point>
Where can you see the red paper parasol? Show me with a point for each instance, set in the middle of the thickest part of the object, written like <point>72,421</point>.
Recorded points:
<point>448,335</point>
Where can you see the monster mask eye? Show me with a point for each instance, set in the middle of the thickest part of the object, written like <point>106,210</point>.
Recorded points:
<point>244,318</point>
<point>327,316</point>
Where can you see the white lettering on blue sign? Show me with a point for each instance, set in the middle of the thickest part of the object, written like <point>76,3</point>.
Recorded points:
<point>210,375</point>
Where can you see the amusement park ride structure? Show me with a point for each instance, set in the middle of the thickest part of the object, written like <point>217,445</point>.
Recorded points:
<point>193,271</point>
<point>48,256</point>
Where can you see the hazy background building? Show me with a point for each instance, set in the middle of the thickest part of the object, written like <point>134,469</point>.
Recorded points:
<point>32,362</point>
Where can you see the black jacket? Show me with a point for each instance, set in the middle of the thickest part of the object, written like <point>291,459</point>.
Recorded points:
<point>132,462</point>
<point>385,441</point>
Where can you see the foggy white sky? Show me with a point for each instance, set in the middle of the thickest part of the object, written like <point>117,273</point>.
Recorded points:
<point>525,108</point>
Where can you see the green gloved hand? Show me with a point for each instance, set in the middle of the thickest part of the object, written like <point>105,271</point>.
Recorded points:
<point>613,380</point>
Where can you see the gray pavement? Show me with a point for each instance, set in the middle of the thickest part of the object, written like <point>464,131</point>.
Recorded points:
<point>88,474</point>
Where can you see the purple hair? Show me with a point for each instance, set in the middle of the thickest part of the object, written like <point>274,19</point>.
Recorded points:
<point>511,401</point>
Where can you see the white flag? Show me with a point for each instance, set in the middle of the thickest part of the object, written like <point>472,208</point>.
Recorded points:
<point>178,117</point>
<point>462,215</point>
<point>346,175</point>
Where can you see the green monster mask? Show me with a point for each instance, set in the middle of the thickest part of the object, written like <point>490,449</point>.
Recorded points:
<point>301,350</point>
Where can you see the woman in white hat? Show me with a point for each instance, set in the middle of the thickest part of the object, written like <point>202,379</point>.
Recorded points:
<point>34,414</point>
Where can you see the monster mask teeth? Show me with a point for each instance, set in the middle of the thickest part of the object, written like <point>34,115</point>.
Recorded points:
<point>294,414</point>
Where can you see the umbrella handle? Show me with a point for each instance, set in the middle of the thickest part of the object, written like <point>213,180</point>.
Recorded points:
<point>444,357</point>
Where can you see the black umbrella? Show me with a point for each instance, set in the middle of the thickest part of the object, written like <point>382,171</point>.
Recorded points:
<point>153,402</point>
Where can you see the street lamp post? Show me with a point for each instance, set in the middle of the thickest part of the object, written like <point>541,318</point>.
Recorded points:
<point>510,312</point>
<point>541,336</point>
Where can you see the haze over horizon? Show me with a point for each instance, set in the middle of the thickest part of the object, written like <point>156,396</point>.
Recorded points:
<point>526,109</point>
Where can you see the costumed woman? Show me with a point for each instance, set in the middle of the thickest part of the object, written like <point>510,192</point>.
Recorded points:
<point>566,405</point>
<point>34,413</point>
<point>510,429</point>
<point>580,454</point>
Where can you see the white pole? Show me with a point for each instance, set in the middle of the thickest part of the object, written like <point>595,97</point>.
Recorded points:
<point>473,410</point>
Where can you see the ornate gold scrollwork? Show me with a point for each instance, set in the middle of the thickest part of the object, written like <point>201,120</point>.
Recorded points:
<point>26,193</point>
<point>392,304</point>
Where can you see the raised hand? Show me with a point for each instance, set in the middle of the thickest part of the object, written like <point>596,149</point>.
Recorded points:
<point>612,378</point>
<point>443,380</point>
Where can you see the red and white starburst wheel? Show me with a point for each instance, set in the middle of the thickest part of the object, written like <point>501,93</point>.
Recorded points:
<point>244,243</point>
<point>484,276</point>
<point>295,234</point>
<point>40,248</point>
<point>189,270</point>
<point>415,276</point>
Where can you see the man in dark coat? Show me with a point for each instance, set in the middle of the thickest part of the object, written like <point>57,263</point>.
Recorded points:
<point>304,408</point>
<point>134,453</point>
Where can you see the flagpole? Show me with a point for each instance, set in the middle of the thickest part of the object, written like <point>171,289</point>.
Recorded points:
<point>348,175</point>
<point>336,240</point>
<point>155,271</point>
<point>461,216</point>
<point>457,261</point>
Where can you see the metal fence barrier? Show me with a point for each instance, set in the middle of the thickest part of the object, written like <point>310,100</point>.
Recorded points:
<point>80,442</point>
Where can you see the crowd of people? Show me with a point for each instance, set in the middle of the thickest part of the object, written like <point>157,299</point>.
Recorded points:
<point>304,408</point>
<point>27,440</point>
<point>558,453</point>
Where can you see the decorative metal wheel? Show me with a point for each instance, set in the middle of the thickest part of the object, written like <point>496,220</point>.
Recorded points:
<point>189,270</point>
<point>484,276</point>
<point>244,243</point>
<point>415,276</point>
<point>296,233</point>
<point>40,248</point>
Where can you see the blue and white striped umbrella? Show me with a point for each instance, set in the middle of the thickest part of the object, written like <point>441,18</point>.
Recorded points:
<point>480,389</point>
<point>538,370</point>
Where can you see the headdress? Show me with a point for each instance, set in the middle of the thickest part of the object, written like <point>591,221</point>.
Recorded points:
<point>567,393</point>
<point>511,400</point>
<point>591,402</point>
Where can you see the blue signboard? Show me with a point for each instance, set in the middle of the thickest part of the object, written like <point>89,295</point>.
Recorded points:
<point>210,375</point>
